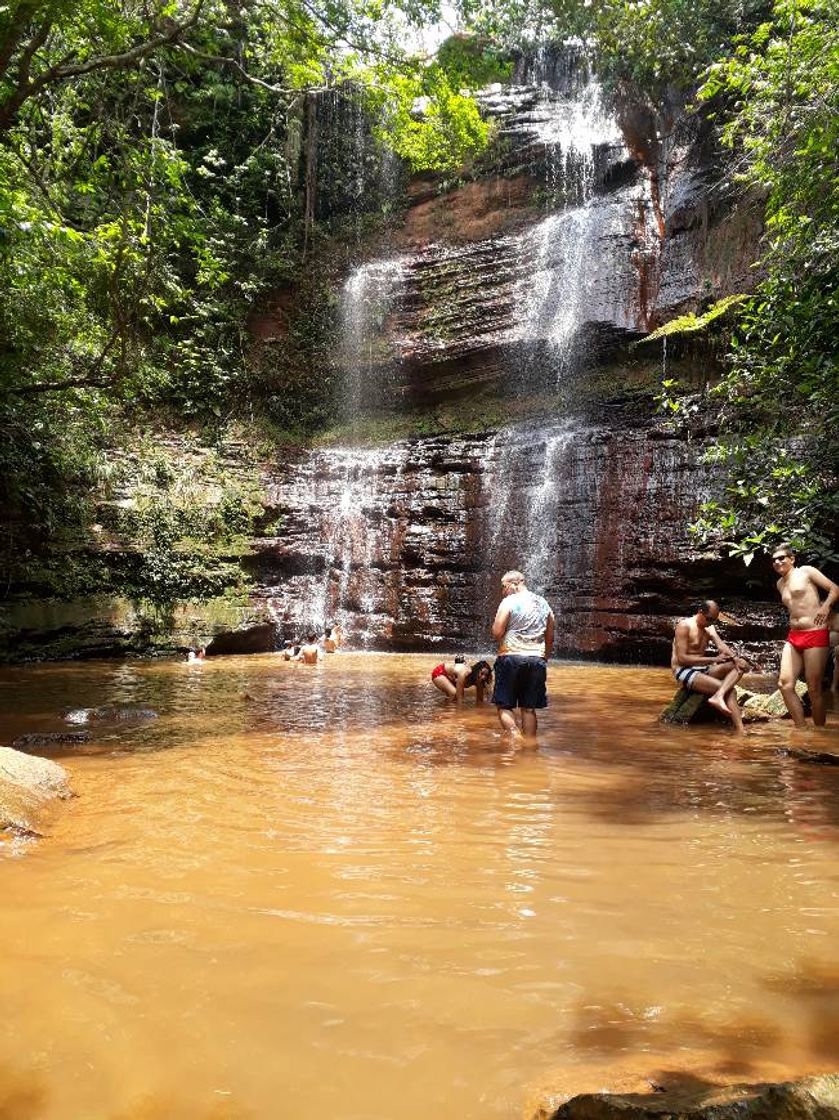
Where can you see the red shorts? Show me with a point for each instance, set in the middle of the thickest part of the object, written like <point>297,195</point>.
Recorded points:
<point>809,639</point>
<point>439,671</point>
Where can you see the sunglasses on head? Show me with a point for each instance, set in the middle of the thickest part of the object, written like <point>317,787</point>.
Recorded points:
<point>778,559</point>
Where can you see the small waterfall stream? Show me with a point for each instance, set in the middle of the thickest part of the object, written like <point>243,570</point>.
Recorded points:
<point>369,349</point>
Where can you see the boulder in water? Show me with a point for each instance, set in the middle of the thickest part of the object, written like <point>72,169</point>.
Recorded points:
<point>812,1098</point>
<point>28,787</point>
<point>692,707</point>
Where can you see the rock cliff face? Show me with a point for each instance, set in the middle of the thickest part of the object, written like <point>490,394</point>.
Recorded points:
<point>404,546</point>
<point>591,229</point>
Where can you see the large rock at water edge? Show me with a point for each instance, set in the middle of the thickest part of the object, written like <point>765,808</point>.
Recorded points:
<point>814,1098</point>
<point>29,788</point>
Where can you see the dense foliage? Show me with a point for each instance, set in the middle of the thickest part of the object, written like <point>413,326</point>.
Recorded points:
<point>161,166</point>
<point>781,396</point>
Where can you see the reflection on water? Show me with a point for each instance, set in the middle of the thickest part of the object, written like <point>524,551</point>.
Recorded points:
<point>324,891</point>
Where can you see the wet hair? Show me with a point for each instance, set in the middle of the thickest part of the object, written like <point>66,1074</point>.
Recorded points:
<point>786,548</point>
<point>327,633</point>
<point>311,637</point>
<point>475,672</point>
<point>512,576</point>
<point>460,659</point>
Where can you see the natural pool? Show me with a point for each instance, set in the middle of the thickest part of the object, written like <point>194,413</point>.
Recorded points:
<point>322,892</point>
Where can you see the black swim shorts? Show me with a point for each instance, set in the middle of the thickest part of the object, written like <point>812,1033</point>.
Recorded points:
<point>520,682</point>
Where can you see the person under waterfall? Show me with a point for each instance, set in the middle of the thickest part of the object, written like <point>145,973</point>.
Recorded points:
<point>713,675</point>
<point>524,629</point>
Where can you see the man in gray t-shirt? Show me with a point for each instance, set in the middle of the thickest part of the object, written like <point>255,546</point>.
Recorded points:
<point>524,630</point>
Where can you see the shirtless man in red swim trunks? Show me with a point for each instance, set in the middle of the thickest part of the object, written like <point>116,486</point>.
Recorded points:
<point>808,641</point>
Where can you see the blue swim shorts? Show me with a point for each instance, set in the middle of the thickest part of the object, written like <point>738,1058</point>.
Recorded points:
<point>520,682</point>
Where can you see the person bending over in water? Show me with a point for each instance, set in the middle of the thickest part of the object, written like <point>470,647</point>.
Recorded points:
<point>692,667</point>
<point>310,650</point>
<point>454,679</point>
<point>808,641</point>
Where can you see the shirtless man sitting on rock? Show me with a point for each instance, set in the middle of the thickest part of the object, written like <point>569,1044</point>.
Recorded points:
<point>808,642</point>
<point>715,676</point>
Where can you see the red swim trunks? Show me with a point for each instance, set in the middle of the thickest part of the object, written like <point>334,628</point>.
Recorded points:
<point>438,671</point>
<point>809,639</point>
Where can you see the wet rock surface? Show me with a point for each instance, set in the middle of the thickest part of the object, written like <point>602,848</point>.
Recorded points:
<point>405,545</point>
<point>29,787</point>
<point>813,1098</point>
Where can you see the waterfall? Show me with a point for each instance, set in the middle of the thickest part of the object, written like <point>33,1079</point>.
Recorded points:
<point>573,256</point>
<point>522,524</point>
<point>335,497</point>
<point>369,344</point>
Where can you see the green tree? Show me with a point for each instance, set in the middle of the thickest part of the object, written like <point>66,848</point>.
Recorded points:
<point>780,398</point>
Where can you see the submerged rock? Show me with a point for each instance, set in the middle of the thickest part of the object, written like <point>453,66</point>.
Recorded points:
<point>48,738</point>
<point>108,713</point>
<point>820,758</point>
<point>814,1098</point>
<point>28,786</point>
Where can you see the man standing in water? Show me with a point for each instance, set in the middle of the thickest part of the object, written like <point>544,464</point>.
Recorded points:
<point>715,676</point>
<point>524,630</point>
<point>808,641</point>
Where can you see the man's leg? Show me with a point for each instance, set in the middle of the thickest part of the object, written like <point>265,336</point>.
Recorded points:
<point>727,680</point>
<point>528,722</point>
<point>507,720</point>
<point>815,663</point>
<point>734,712</point>
<point>791,665</point>
<point>709,686</point>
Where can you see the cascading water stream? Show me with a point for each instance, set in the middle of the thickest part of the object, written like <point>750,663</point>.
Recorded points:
<point>569,258</point>
<point>368,347</point>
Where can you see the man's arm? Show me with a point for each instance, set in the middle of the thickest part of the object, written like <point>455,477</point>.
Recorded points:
<point>726,653</point>
<point>549,636</point>
<point>832,589</point>
<point>502,617</point>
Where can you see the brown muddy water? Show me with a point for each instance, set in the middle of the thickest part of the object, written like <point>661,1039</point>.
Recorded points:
<point>309,892</point>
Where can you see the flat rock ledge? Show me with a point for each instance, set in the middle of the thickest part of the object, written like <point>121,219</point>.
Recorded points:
<point>813,1098</point>
<point>29,789</point>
